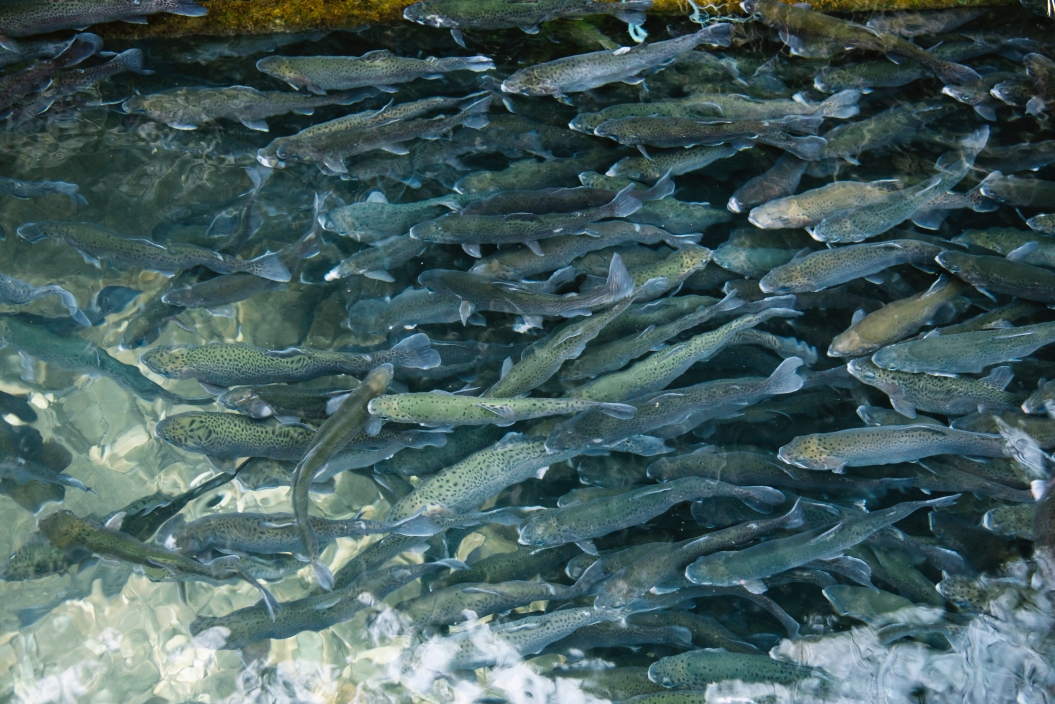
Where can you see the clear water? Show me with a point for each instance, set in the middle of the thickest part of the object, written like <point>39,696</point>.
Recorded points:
<point>103,632</point>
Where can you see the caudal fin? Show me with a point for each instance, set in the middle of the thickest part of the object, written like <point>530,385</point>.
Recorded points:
<point>625,203</point>
<point>620,283</point>
<point>842,105</point>
<point>716,35</point>
<point>69,301</point>
<point>785,378</point>
<point>269,266</point>
<point>415,352</point>
<point>660,190</point>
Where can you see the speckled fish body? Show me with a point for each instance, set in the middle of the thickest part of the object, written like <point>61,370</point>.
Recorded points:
<point>999,275</point>
<point>229,436</point>
<point>1012,521</point>
<point>376,68</point>
<point>933,394</point>
<point>22,18</point>
<point>965,353</point>
<point>700,668</point>
<point>191,107</point>
<point>683,407</point>
<point>657,371</point>
<point>699,106</point>
<point>677,162</point>
<point>311,613</point>
<point>14,86</point>
<point>1023,192</point>
<point>235,363</point>
<point>617,353</point>
<point>1005,240</point>
<point>413,307</point>
<point>888,444</point>
<point>376,220</point>
<point>445,409</point>
<point>799,23</point>
<point>817,271</point>
<point>449,605</point>
<point>95,243</point>
<point>260,533</point>
<point>749,566</point>
<point>480,476</point>
<point>558,252</point>
<point>811,207</point>
<point>575,74</point>
<point>581,522</point>
<point>898,319</point>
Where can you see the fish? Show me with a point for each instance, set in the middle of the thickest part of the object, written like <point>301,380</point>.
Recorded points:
<point>458,15</point>
<point>529,173</point>
<point>16,292</point>
<point>617,353</point>
<point>890,128</point>
<point>28,17</point>
<point>1042,70</point>
<point>188,108</point>
<point>660,369</point>
<point>816,271</point>
<point>223,364</point>
<point>1015,520</point>
<point>1044,224</point>
<point>95,243</point>
<point>460,443</point>
<point>814,206</point>
<point>779,181</point>
<point>69,82</point>
<point>35,189</point>
<point>21,470</point>
<point>682,408</point>
<point>685,132</point>
<point>31,336</point>
<point>282,400</point>
<point>380,68</point>
<point>934,394</point>
<point>797,24</point>
<point>743,468</point>
<point>749,566</point>
<point>519,227</point>
<point>1002,275</point>
<point>225,437</point>
<point>888,444</point>
<point>243,627</point>
<point>699,668</point>
<point>376,261</point>
<point>966,352</point>
<point>478,292</point>
<point>898,319</point>
<point>540,362</point>
<point>914,24</point>
<point>469,483</point>
<point>439,409</point>
<point>1012,190</point>
<point>350,414</point>
<point>674,161</point>
<point>558,252</point>
<point>68,532</point>
<point>259,533</point>
<point>376,220</point>
<point>580,523</point>
<point>37,77</point>
<point>575,74</point>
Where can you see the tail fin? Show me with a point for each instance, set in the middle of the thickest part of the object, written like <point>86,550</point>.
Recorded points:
<point>660,190</point>
<point>270,266</point>
<point>785,378</point>
<point>469,63</point>
<point>625,203</point>
<point>716,35</point>
<point>620,283</point>
<point>132,60</point>
<point>801,124</point>
<point>80,48</point>
<point>630,11</point>
<point>415,352</point>
<point>805,148</point>
<point>475,115</point>
<point>69,301</point>
<point>842,105</point>
<point>322,574</point>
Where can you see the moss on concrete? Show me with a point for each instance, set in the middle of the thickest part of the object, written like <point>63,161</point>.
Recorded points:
<point>240,17</point>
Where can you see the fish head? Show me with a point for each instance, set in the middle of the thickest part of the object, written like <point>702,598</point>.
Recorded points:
<point>281,68</point>
<point>170,361</point>
<point>60,528</point>
<point>846,344</point>
<point>586,122</point>
<point>865,371</point>
<point>189,431</point>
<point>659,672</point>
<point>527,85</point>
<point>808,452</point>
<point>542,531</point>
